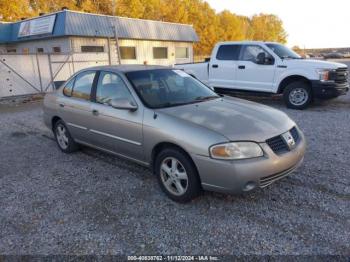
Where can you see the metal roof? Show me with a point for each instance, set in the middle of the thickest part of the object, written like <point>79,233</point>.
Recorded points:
<point>72,23</point>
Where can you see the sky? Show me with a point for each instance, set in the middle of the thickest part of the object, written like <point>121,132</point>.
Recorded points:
<point>309,23</point>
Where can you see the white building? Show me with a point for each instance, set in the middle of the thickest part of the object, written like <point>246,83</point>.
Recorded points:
<point>67,31</point>
<point>34,52</point>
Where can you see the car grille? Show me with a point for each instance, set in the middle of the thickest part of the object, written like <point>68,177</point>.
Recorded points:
<point>295,134</point>
<point>267,180</point>
<point>340,75</point>
<point>278,145</point>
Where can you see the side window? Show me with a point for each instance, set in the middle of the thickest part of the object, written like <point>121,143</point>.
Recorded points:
<point>228,52</point>
<point>83,84</point>
<point>251,52</point>
<point>110,86</point>
<point>68,88</point>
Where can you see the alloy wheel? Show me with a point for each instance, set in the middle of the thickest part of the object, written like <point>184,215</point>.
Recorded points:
<point>61,136</point>
<point>174,176</point>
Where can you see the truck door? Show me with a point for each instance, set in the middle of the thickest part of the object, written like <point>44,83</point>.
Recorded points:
<point>252,74</point>
<point>223,67</point>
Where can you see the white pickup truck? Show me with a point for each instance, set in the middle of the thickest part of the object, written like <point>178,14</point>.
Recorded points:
<point>270,68</point>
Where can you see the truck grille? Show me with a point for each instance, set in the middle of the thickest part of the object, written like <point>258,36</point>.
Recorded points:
<point>340,75</point>
<point>278,145</point>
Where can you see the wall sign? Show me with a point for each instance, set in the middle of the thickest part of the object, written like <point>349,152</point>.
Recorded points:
<point>38,26</point>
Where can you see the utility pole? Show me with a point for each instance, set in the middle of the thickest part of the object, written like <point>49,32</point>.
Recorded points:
<point>113,7</point>
<point>117,43</point>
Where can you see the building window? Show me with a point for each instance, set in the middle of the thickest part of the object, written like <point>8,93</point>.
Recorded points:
<point>181,52</point>
<point>40,50</point>
<point>25,51</point>
<point>160,52</point>
<point>127,52</point>
<point>56,49</point>
<point>11,50</point>
<point>92,49</point>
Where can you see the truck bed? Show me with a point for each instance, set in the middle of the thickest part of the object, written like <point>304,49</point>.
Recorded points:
<point>198,70</point>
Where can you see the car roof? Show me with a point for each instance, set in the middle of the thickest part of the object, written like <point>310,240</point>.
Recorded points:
<point>126,68</point>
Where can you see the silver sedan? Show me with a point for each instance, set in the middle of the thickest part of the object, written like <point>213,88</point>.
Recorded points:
<point>191,137</point>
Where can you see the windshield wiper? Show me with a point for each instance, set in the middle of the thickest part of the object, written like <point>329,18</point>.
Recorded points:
<point>204,98</point>
<point>196,100</point>
<point>290,57</point>
<point>168,104</point>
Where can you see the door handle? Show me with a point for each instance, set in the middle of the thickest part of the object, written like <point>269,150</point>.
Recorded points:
<point>241,67</point>
<point>61,105</point>
<point>95,112</point>
<point>215,66</point>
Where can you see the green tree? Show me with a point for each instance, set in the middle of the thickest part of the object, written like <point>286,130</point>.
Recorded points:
<point>14,10</point>
<point>231,27</point>
<point>268,28</point>
<point>210,26</point>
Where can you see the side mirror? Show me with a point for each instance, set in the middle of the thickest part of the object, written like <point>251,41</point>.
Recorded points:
<point>123,104</point>
<point>261,58</point>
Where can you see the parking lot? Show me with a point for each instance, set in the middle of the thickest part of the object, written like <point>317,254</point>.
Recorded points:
<point>94,203</point>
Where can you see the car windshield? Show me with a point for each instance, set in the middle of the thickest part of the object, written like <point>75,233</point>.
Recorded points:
<point>283,52</point>
<point>160,88</point>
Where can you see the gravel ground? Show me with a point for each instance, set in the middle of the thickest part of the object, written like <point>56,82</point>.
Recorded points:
<point>93,203</point>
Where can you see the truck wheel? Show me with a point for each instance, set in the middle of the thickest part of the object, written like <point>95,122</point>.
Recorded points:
<point>177,175</point>
<point>297,95</point>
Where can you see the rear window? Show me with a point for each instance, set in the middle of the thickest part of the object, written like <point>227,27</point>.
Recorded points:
<point>67,91</point>
<point>228,52</point>
<point>83,84</point>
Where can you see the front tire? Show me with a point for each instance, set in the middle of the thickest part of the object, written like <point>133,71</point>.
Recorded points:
<point>177,175</point>
<point>297,95</point>
<point>63,138</point>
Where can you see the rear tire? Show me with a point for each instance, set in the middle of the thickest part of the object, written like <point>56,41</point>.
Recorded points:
<point>177,175</point>
<point>297,95</point>
<point>63,138</point>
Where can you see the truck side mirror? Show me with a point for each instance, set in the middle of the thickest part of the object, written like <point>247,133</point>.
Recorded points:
<point>261,58</point>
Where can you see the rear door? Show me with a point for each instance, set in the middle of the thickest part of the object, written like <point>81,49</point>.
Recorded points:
<point>117,130</point>
<point>75,105</point>
<point>223,67</point>
<point>253,76</point>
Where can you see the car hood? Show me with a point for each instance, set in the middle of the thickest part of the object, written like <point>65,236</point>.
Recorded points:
<point>317,64</point>
<point>236,119</point>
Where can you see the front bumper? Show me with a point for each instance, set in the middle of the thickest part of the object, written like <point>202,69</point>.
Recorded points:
<point>243,175</point>
<point>328,89</point>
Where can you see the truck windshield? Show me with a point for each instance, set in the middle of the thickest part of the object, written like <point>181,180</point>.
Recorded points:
<point>160,88</point>
<point>283,52</point>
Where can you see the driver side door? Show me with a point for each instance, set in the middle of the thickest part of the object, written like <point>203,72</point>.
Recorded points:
<point>251,75</point>
<point>116,130</point>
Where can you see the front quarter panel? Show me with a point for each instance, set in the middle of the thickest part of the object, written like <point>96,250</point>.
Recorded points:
<point>159,128</point>
<point>308,73</point>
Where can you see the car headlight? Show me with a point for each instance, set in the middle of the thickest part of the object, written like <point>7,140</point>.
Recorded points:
<point>324,74</point>
<point>236,150</point>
